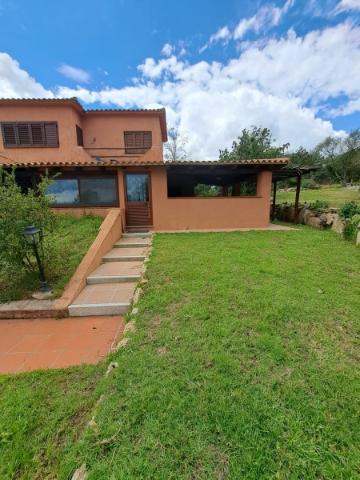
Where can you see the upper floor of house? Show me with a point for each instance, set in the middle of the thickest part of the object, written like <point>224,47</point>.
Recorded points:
<point>60,131</point>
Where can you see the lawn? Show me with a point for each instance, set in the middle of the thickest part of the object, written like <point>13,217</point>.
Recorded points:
<point>245,365</point>
<point>335,195</point>
<point>70,241</point>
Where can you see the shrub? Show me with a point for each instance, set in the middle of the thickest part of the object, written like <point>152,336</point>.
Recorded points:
<point>310,184</point>
<point>351,227</point>
<point>18,210</point>
<point>349,209</point>
<point>318,205</point>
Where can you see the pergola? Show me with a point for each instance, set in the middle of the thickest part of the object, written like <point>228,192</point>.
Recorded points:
<point>290,172</point>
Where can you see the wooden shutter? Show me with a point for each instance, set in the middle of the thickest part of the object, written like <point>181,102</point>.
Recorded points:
<point>79,136</point>
<point>23,132</point>
<point>9,134</point>
<point>137,142</point>
<point>51,134</point>
<point>37,134</point>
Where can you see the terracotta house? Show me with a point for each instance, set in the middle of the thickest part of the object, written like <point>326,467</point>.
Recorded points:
<point>107,159</point>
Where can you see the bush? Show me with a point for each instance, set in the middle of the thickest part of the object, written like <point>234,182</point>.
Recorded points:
<point>318,205</point>
<point>310,184</point>
<point>349,209</point>
<point>351,227</point>
<point>17,211</point>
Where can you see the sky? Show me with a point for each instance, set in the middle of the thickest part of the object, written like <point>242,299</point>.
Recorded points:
<point>217,66</point>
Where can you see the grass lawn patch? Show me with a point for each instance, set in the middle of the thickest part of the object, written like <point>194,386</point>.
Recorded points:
<point>245,364</point>
<point>335,195</point>
<point>70,241</point>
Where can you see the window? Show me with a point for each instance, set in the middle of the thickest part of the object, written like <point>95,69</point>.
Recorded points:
<point>210,182</point>
<point>79,136</point>
<point>84,191</point>
<point>37,134</point>
<point>137,142</point>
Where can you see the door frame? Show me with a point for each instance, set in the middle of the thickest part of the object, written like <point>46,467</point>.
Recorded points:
<point>139,172</point>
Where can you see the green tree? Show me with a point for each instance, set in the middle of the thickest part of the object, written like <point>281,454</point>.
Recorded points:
<point>256,142</point>
<point>18,210</point>
<point>340,157</point>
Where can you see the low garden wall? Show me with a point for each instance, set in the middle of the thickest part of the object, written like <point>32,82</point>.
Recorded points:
<point>322,218</point>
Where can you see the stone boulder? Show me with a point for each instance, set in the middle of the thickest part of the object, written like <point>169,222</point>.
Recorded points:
<point>338,225</point>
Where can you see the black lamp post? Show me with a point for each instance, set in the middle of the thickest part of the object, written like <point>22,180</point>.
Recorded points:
<point>32,236</point>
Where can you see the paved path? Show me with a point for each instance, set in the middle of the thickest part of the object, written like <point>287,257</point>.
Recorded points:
<point>51,343</point>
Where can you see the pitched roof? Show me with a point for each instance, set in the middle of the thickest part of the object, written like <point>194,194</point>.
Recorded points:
<point>255,161</point>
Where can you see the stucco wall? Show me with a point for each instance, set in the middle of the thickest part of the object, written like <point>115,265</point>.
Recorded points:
<point>209,213</point>
<point>103,133</point>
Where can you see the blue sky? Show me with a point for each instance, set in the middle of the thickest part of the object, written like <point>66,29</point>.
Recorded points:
<point>217,66</point>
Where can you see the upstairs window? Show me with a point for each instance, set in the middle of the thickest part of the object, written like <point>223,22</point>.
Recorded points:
<point>79,136</point>
<point>137,142</point>
<point>37,134</point>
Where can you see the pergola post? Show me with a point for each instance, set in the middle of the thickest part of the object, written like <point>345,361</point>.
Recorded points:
<point>297,196</point>
<point>273,200</point>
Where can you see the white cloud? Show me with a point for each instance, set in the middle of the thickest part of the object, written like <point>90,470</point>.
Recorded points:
<point>267,16</point>
<point>74,73</point>
<point>283,84</point>
<point>346,5</point>
<point>222,35</point>
<point>167,50</point>
<point>16,82</point>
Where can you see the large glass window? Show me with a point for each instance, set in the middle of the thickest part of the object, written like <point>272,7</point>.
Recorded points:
<point>64,192</point>
<point>84,191</point>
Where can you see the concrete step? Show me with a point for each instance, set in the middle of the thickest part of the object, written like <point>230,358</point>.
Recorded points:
<point>103,299</point>
<point>126,254</point>
<point>137,235</point>
<point>115,272</point>
<point>132,243</point>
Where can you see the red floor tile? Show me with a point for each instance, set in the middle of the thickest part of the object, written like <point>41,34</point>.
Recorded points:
<point>55,343</point>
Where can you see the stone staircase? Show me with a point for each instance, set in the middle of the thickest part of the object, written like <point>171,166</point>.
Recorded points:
<point>111,286</point>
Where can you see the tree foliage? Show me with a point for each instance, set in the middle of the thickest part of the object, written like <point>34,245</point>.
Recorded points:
<point>256,142</point>
<point>17,211</point>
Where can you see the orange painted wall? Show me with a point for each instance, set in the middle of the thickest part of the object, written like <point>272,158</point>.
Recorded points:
<point>214,213</point>
<point>100,130</point>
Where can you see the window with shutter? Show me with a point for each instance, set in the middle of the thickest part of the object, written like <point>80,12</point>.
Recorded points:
<point>137,142</point>
<point>37,134</point>
<point>23,131</point>
<point>51,134</point>
<point>79,136</point>
<point>41,134</point>
<point>9,134</point>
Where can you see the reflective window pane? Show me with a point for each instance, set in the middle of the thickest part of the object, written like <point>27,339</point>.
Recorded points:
<point>98,191</point>
<point>137,188</point>
<point>64,192</point>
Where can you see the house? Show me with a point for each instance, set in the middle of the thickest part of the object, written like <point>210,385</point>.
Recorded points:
<point>104,159</point>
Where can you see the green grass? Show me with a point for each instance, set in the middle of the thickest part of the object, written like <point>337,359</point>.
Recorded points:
<point>335,195</point>
<point>245,365</point>
<point>69,241</point>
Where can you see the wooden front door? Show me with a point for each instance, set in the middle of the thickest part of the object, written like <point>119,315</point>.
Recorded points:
<point>138,200</point>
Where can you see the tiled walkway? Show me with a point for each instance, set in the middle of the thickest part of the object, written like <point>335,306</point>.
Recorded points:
<point>51,343</point>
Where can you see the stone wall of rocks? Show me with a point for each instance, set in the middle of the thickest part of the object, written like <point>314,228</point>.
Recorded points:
<point>328,218</point>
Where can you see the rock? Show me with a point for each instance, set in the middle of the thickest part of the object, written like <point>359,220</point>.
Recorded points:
<point>358,238</point>
<point>307,214</point>
<point>314,222</point>
<point>122,343</point>
<point>130,327</point>
<point>80,473</point>
<point>42,295</point>
<point>338,225</point>
<point>111,367</point>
